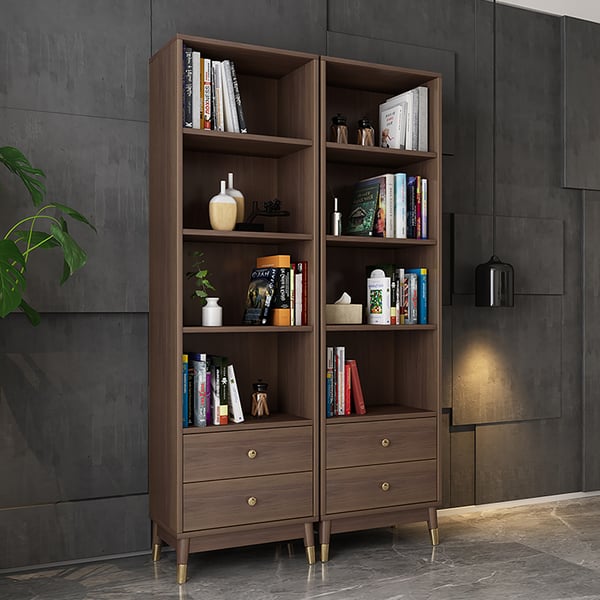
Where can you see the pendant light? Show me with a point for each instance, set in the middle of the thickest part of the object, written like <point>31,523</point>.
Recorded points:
<point>494,280</point>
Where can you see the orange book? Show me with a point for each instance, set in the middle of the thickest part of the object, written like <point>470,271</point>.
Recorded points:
<point>356,390</point>
<point>280,307</point>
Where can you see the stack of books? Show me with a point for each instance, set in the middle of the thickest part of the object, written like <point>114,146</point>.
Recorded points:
<point>343,389</point>
<point>211,95</point>
<point>403,121</point>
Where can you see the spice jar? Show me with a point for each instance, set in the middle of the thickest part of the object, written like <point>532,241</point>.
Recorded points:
<point>339,130</point>
<point>366,133</point>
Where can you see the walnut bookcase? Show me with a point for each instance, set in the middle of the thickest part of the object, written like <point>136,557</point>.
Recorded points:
<point>382,468</point>
<point>272,479</point>
<point>233,485</point>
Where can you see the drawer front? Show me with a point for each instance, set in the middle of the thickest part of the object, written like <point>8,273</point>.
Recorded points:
<point>230,454</point>
<point>378,486</point>
<point>376,442</point>
<point>212,504</point>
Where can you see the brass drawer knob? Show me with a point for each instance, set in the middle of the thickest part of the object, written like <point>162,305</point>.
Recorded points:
<point>252,501</point>
<point>251,453</point>
<point>385,486</point>
<point>385,442</point>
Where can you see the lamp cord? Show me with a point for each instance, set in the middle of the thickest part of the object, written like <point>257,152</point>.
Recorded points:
<point>494,130</point>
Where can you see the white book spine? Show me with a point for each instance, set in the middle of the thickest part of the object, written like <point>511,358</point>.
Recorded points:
<point>400,204</point>
<point>340,361</point>
<point>235,403</point>
<point>298,298</point>
<point>231,109</point>
<point>218,117</point>
<point>424,210</point>
<point>423,143</point>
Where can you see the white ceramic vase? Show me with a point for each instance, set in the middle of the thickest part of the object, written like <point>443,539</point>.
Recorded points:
<point>222,210</point>
<point>212,313</point>
<point>237,196</point>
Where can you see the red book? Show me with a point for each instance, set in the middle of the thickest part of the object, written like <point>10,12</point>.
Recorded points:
<point>347,388</point>
<point>356,390</point>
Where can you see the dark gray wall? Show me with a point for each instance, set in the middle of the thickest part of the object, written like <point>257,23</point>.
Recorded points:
<point>73,96</point>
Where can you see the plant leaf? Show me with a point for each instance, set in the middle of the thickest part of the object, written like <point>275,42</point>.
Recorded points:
<point>32,314</point>
<point>73,214</point>
<point>12,280</point>
<point>46,240</point>
<point>74,255</point>
<point>14,160</point>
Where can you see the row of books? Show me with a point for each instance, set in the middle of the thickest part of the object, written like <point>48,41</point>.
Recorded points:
<point>277,292</point>
<point>393,205</point>
<point>211,94</point>
<point>343,389</point>
<point>396,295</point>
<point>210,391</point>
<point>403,120</point>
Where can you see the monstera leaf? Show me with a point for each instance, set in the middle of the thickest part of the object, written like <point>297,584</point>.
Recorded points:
<point>26,236</point>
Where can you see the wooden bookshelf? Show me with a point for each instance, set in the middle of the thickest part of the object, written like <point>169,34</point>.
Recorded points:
<point>381,468</point>
<point>206,491</point>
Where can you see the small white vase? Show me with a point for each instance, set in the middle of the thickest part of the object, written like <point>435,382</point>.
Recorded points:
<point>212,313</point>
<point>222,210</point>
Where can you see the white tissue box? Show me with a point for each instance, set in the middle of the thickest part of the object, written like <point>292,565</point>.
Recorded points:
<point>343,314</point>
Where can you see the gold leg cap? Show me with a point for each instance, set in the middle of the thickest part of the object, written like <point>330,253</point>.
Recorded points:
<point>324,552</point>
<point>181,574</point>
<point>311,555</point>
<point>156,552</point>
<point>435,536</point>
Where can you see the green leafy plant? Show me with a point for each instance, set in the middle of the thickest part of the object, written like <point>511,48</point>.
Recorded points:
<point>44,229</point>
<point>200,276</point>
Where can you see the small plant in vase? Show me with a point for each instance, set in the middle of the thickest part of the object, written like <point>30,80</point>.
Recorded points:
<point>212,313</point>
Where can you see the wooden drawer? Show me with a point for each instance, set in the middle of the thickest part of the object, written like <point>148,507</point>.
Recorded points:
<point>362,488</point>
<point>376,442</point>
<point>225,455</point>
<point>212,504</point>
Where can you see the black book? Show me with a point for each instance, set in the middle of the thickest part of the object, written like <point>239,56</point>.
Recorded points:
<point>238,100</point>
<point>187,86</point>
<point>261,290</point>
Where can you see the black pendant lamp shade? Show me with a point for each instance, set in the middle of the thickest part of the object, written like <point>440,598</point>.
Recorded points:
<point>494,284</point>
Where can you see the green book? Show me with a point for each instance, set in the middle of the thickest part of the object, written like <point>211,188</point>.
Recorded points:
<point>365,200</point>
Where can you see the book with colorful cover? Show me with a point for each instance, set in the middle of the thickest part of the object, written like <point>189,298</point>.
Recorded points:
<point>383,221</point>
<point>340,375</point>
<point>199,400</point>
<point>421,273</point>
<point>207,116</point>
<point>261,290</point>
<point>280,311</point>
<point>365,202</point>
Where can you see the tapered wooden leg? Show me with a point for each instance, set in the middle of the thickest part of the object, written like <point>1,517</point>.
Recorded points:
<point>156,542</point>
<point>432,523</point>
<point>324,535</point>
<point>309,543</point>
<point>183,550</point>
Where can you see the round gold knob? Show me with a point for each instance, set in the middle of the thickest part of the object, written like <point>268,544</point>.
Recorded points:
<point>385,442</point>
<point>385,486</point>
<point>251,453</point>
<point>252,501</point>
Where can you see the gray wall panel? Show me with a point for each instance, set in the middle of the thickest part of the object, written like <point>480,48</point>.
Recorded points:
<point>462,466</point>
<point>507,363</point>
<point>580,93</point>
<point>529,459</point>
<point>73,530</point>
<point>73,408</point>
<point>447,357</point>
<point>591,348</point>
<point>290,24</point>
<point>78,57</point>
<point>99,167</point>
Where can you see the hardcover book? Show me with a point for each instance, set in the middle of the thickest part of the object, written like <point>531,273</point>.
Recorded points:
<point>392,124</point>
<point>259,296</point>
<point>358,399</point>
<point>280,304</point>
<point>235,403</point>
<point>238,99</point>
<point>421,274</point>
<point>188,86</point>
<point>378,298</point>
<point>199,402</point>
<point>184,404</point>
<point>365,202</point>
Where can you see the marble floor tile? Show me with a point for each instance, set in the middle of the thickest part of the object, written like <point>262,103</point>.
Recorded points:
<point>547,551</point>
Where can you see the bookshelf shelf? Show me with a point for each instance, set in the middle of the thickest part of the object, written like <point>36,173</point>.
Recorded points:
<point>381,157</point>
<point>247,329</point>
<point>244,237</point>
<point>381,329</point>
<point>356,241</point>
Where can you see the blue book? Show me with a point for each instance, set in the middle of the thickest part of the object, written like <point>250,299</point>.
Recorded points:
<point>421,294</point>
<point>185,413</point>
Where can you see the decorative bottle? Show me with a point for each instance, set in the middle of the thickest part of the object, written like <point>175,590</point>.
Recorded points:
<point>237,196</point>
<point>212,313</point>
<point>222,210</point>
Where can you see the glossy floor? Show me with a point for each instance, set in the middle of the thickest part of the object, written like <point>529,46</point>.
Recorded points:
<point>547,551</point>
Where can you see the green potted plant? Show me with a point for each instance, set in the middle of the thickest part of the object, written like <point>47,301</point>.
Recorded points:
<point>212,313</point>
<point>44,229</point>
